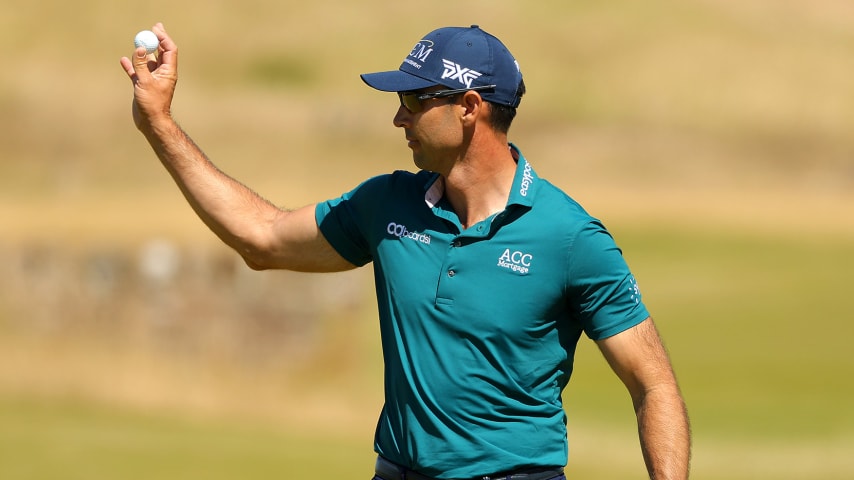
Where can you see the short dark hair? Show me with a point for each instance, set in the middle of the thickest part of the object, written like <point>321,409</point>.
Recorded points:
<point>501,116</point>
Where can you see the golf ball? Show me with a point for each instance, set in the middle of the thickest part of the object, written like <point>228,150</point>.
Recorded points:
<point>147,39</point>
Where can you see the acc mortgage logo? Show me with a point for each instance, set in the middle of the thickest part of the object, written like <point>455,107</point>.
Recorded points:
<point>461,74</point>
<point>516,261</point>
<point>400,231</point>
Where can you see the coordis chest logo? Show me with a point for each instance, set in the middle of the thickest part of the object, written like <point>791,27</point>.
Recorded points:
<point>516,261</point>
<point>400,231</point>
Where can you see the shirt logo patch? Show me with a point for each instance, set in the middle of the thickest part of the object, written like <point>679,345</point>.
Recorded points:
<point>400,231</point>
<point>516,261</point>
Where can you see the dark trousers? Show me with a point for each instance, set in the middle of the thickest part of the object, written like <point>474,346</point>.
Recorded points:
<point>386,470</point>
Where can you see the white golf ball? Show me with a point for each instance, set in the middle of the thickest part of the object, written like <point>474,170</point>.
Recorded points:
<point>147,39</point>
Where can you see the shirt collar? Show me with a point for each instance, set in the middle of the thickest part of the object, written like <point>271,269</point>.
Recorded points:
<point>526,181</point>
<point>524,188</point>
<point>435,190</point>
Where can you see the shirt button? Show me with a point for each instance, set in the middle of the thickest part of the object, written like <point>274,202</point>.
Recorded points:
<point>456,243</point>
<point>451,273</point>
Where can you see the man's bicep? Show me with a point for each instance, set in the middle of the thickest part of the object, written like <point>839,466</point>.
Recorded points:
<point>297,243</point>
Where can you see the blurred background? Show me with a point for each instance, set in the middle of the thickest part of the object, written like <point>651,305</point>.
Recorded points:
<point>713,137</point>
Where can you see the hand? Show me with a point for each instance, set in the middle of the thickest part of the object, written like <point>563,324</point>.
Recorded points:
<point>154,77</point>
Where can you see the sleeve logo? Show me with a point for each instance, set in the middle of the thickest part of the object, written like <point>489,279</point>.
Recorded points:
<point>634,290</point>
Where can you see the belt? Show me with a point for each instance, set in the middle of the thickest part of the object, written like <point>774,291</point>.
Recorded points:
<point>387,470</point>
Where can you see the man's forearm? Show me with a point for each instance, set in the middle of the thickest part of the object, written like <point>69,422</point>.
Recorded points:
<point>665,434</point>
<point>230,209</point>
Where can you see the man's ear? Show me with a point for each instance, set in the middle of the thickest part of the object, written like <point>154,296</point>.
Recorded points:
<point>474,106</point>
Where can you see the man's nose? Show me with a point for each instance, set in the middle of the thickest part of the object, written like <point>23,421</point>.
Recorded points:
<point>402,118</point>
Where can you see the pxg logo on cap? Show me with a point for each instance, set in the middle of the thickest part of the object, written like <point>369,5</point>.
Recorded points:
<point>456,57</point>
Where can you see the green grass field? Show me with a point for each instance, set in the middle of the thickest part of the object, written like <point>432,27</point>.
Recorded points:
<point>50,439</point>
<point>713,137</point>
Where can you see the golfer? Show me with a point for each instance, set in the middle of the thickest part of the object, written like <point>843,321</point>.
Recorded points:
<point>486,274</point>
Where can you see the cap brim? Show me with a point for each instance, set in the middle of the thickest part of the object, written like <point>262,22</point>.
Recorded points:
<point>395,81</point>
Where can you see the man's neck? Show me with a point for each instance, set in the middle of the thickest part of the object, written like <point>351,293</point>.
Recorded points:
<point>479,185</point>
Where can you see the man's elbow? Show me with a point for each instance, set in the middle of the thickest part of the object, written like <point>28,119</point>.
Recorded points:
<point>256,258</point>
<point>254,264</point>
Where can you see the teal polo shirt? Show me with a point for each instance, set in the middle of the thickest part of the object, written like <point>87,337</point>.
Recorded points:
<point>479,326</point>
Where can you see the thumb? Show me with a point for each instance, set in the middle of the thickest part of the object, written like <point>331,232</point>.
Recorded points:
<point>142,64</point>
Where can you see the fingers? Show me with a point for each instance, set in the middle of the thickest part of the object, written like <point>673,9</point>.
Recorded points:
<point>141,65</point>
<point>131,65</point>
<point>168,50</point>
<point>127,66</point>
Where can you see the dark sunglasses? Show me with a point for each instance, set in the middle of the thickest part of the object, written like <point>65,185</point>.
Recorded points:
<point>412,101</point>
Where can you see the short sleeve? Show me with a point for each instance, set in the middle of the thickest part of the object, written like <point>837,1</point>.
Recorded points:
<point>342,221</point>
<point>604,294</point>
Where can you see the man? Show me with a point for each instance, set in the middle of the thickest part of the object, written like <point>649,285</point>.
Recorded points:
<point>486,275</point>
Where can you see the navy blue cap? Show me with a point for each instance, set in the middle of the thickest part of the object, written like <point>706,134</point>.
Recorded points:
<point>455,57</point>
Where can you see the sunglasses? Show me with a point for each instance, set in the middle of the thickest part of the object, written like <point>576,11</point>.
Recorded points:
<point>412,101</point>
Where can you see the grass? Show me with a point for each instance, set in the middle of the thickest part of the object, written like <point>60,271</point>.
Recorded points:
<point>52,439</point>
<point>762,317</point>
<point>758,330</point>
<point>760,372</point>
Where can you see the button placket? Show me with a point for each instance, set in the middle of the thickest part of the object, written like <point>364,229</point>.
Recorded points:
<point>445,291</point>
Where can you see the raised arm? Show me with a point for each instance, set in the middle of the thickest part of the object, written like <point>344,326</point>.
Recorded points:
<point>266,236</point>
<point>638,357</point>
